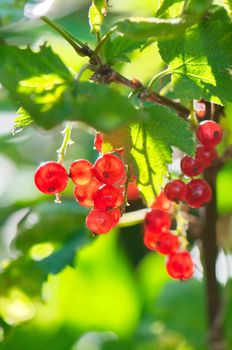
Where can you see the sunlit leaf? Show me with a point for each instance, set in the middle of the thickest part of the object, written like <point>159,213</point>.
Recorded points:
<point>200,61</point>
<point>97,11</point>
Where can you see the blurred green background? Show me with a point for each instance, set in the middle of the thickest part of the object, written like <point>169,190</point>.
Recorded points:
<point>117,295</point>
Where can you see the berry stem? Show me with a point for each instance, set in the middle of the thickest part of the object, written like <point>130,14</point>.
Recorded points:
<point>192,117</point>
<point>157,76</point>
<point>102,40</point>
<point>182,225</point>
<point>132,218</point>
<point>67,141</point>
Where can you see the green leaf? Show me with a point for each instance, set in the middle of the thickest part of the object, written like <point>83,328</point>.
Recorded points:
<point>145,28</point>
<point>176,130</point>
<point>194,9</point>
<point>45,223</point>
<point>97,11</point>
<point>161,28</point>
<point>28,275</point>
<point>22,120</point>
<point>62,226</point>
<point>117,49</point>
<point>65,256</point>
<point>200,60</point>
<point>24,274</point>
<point>170,8</point>
<point>47,91</point>
<point>151,147</point>
<point>102,107</point>
<point>151,154</point>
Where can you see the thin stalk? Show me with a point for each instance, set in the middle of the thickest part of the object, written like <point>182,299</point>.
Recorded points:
<point>67,141</point>
<point>103,40</point>
<point>157,76</point>
<point>192,117</point>
<point>132,218</point>
<point>78,46</point>
<point>82,70</point>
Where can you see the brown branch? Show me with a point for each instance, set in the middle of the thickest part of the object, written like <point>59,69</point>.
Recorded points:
<point>106,75</point>
<point>210,252</point>
<point>227,155</point>
<point>103,73</point>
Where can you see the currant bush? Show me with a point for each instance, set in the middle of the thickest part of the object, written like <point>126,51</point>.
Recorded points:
<point>103,186</point>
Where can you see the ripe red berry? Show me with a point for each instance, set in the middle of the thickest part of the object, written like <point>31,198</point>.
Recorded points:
<point>180,265</point>
<point>198,193</point>
<point>157,221</point>
<point>167,243</point>
<point>99,221</point>
<point>108,197</point>
<point>150,239</point>
<point>85,194</point>
<point>191,166</point>
<point>109,169</point>
<point>162,203</point>
<point>209,133</point>
<point>98,141</point>
<point>81,171</point>
<point>51,177</point>
<point>132,190</point>
<point>206,155</point>
<point>115,215</point>
<point>200,109</point>
<point>175,190</point>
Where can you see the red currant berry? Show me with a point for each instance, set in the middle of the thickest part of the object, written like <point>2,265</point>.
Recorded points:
<point>115,215</point>
<point>132,190</point>
<point>209,133</point>
<point>206,155</point>
<point>180,265</point>
<point>85,194</point>
<point>108,197</point>
<point>51,177</point>
<point>81,172</point>
<point>198,193</point>
<point>167,243</point>
<point>98,141</point>
<point>175,190</point>
<point>99,221</point>
<point>157,221</point>
<point>200,109</point>
<point>162,203</point>
<point>191,166</point>
<point>150,239</point>
<point>109,169</point>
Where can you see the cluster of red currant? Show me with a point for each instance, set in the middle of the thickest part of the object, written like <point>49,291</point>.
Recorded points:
<point>99,185</point>
<point>195,193</point>
<point>158,237</point>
